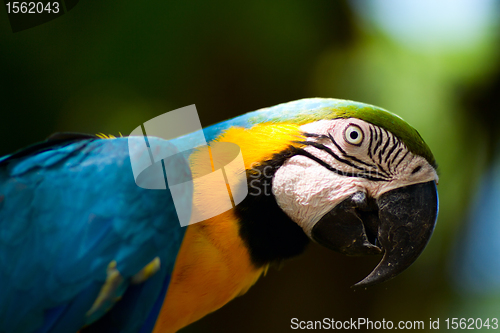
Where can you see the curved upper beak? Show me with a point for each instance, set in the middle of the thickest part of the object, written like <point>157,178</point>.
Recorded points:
<point>398,225</point>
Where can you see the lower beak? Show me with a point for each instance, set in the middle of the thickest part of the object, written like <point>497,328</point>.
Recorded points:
<point>398,225</point>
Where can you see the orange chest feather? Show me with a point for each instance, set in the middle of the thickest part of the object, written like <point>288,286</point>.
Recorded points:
<point>212,268</point>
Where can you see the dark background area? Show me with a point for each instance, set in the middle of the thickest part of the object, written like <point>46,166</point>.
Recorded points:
<point>108,66</point>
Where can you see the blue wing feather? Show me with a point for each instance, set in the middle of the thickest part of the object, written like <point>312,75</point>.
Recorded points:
<point>67,209</point>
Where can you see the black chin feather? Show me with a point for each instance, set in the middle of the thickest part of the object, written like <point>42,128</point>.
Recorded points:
<point>269,233</point>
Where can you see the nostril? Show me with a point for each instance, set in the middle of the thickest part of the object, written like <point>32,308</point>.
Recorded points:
<point>359,198</point>
<point>417,169</point>
<point>360,201</point>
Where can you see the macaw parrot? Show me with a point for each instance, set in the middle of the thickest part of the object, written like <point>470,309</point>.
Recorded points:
<point>84,249</point>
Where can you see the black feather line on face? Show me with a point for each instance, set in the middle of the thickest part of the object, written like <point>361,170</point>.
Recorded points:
<point>401,160</point>
<point>370,143</point>
<point>395,144</point>
<point>379,138</point>
<point>382,151</point>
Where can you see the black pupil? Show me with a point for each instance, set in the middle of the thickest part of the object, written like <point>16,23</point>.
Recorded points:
<point>354,135</point>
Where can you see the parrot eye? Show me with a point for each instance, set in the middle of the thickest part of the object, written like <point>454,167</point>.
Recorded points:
<point>353,135</point>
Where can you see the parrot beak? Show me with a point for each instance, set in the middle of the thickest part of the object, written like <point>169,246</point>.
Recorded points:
<point>398,225</point>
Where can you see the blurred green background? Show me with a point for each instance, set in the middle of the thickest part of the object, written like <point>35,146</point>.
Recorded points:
<point>108,66</point>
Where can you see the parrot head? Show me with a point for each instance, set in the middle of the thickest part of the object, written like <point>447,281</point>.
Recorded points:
<point>357,179</point>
